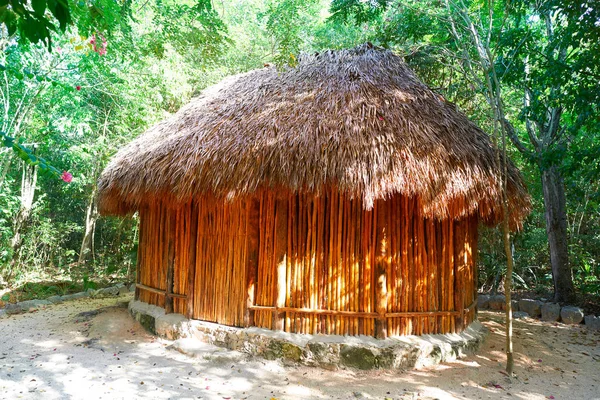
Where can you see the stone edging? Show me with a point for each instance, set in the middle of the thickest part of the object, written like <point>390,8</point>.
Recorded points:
<point>544,310</point>
<point>326,351</point>
<point>33,305</point>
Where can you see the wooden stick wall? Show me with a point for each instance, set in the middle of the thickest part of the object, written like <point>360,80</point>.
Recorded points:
<point>309,264</point>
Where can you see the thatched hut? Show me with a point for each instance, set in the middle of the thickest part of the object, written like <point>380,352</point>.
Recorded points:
<point>341,196</point>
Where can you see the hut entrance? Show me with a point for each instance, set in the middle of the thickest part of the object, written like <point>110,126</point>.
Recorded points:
<point>310,264</point>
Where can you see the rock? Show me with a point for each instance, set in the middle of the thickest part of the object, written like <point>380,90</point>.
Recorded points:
<point>13,308</point>
<point>291,352</point>
<point>483,302</point>
<point>55,299</point>
<point>75,296</point>
<point>132,287</point>
<point>571,315</point>
<point>31,305</point>
<point>357,357</point>
<point>498,302</point>
<point>531,307</point>
<point>146,314</point>
<point>123,290</point>
<point>515,305</point>
<point>106,292</point>
<point>148,322</point>
<point>169,325</point>
<point>3,313</point>
<point>591,321</point>
<point>550,312</point>
<point>119,285</point>
<point>25,306</point>
<point>273,350</point>
<point>279,349</point>
<point>520,315</point>
<point>113,290</point>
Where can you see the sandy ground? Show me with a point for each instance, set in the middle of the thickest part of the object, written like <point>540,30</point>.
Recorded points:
<point>56,354</point>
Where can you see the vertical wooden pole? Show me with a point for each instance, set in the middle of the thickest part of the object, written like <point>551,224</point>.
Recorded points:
<point>191,263</point>
<point>170,230</point>
<point>451,277</point>
<point>474,264</point>
<point>141,249</point>
<point>280,248</point>
<point>404,264</point>
<point>381,259</point>
<point>411,278</point>
<point>252,243</point>
<point>459,246</point>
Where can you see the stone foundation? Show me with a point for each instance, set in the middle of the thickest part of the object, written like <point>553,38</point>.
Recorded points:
<point>327,351</point>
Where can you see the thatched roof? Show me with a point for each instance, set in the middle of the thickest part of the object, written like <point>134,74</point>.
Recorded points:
<point>357,119</point>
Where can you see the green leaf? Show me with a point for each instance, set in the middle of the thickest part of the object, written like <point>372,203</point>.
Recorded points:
<point>30,28</point>
<point>10,20</point>
<point>18,7</point>
<point>39,7</point>
<point>62,14</point>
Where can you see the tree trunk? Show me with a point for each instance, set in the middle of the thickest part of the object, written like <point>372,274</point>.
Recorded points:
<point>556,228</point>
<point>91,217</point>
<point>28,183</point>
<point>510,361</point>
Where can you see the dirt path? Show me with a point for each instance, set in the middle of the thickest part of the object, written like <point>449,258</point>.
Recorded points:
<point>56,354</point>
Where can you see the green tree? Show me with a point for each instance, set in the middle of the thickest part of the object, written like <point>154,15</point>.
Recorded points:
<point>536,61</point>
<point>107,78</point>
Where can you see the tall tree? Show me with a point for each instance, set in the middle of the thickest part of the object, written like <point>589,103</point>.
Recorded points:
<point>545,53</point>
<point>551,55</point>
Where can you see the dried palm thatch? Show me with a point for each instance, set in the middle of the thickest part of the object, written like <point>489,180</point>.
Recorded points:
<point>358,120</point>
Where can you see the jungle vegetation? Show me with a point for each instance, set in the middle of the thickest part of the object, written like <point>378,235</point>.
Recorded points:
<point>79,79</point>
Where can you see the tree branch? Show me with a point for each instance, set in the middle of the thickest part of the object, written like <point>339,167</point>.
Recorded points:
<point>514,138</point>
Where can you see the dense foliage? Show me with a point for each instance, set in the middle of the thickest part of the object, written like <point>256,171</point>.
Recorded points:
<point>80,79</point>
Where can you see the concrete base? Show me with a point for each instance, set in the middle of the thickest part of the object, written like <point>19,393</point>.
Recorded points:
<point>328,351</point>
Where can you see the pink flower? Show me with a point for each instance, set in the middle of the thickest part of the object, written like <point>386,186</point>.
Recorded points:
<point>78,87</point>
<point>101,50</point>
<point>67,177</point>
